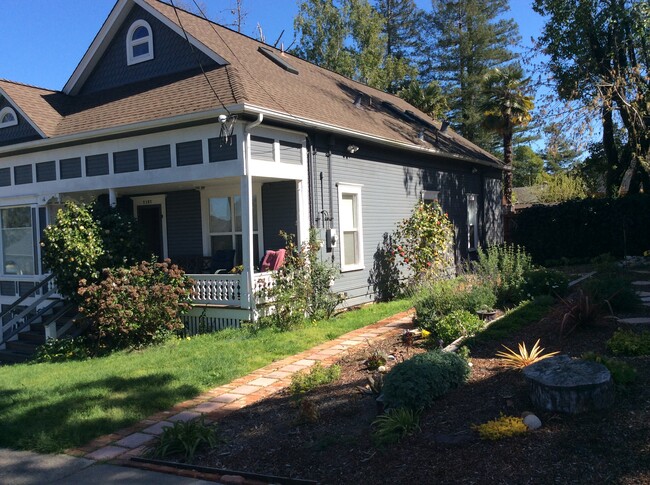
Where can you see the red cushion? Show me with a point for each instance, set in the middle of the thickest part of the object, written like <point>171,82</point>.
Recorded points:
<point>273,260</point>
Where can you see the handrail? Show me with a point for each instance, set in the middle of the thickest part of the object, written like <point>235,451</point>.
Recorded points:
<point>27,321</point>
<point>26,295</point>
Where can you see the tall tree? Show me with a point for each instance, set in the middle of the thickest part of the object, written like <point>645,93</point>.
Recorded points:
<point>468,39</point>
<point>599,56</point>
<point>349,37</point>
<point>560,153</point>
<point>428,99</point>
<point>527,166</point>
<point>505,106</point>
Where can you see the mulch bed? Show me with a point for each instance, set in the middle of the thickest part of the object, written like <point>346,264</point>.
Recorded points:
<point>611,446</point>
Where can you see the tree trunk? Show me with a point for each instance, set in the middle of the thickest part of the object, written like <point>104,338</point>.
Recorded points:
<point>507,160</point>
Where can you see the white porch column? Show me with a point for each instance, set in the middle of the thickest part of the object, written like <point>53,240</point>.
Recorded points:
<point>302,195</point>
<point>112,197</point>
<point>246,191</point>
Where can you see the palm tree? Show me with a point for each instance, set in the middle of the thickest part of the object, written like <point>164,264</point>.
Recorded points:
<point>506,106</point>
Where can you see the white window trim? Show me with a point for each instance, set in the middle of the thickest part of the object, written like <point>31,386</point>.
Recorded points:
<point>354,189</point>
<point>35,245</point>
<point>430,196</point>
<point>130,43</point>
<point>5,111</point>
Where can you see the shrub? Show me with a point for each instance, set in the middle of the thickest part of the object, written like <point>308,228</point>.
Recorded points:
<point>423,242</point>
<point>417,382</point>
<point>136,306</point>
<point>395,425</point>
<point>622,372</point>
<point>582,312</point>
<point>301,288</point>
<point>72,248</point>
<point>61,350</point>
<point>627,342</point>
<point>504,267</point>
<point>85,239</point>
<point>544,281</point>
<point>611,287</point>
<point>318,375</point>
<point>502,427</point>
<point>442,297</point>
<point>459,323</point>
<point>185,438</point>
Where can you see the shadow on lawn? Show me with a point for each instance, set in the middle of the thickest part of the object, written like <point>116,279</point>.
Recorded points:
<point>79,413</point>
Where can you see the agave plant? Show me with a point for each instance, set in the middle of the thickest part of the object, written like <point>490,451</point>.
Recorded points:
<point>523,358</point>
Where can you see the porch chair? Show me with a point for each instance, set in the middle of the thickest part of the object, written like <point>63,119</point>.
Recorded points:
<point>273,260</point>
<point>223,260</point>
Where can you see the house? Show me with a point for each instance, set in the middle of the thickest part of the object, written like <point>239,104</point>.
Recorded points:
<point>216,141</point>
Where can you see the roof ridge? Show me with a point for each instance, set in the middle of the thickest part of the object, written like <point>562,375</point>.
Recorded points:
<point>18,83</point>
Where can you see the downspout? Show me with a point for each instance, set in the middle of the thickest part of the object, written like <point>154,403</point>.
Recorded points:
<point>248,186</point>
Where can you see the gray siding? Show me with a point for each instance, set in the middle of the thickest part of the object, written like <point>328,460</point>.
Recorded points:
<point>172,54</point>
<point>189,153</point>
<point>126,161</point>
<point>184,236</point>
<point>220,151</point>
<point>97,165</point>
<point>391,185</point>
<point>23,174</point>
<point>290,152</point>
<point>70,168</point>
<point>19,133</point>
<point>45,171</point>
<point>157,157</point>
<point>279,212</point>
<point>5,177</point>
<point>262,148</point>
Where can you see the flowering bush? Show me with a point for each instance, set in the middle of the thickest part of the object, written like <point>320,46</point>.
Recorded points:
<point>423,242</point>
<point>136,306</point>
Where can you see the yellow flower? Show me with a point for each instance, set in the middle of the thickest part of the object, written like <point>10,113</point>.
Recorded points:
<point>425,333</point>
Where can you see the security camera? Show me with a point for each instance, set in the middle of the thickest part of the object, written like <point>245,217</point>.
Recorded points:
<point>223,118</point>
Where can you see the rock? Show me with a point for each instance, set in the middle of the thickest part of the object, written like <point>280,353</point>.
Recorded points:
<point>382,368</point>
<point>569,385</point>
<point>532,421</point>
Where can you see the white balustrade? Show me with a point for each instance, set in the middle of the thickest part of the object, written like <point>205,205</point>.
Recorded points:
<point>225,289</point>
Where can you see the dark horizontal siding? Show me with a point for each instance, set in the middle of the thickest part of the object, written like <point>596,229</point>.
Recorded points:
<point>184,224</point>
<point>126,161</point>
<point>157,157</point>
<point>279,212</point>
<point>97,165</point>
<point>262,148</point>
<point>5,177</point>
<point>189,153</point>
<point>45,171</point>
<point>23,174</point>
<point>290,152</point>
<point>219,150</point>
<point>70,168</point>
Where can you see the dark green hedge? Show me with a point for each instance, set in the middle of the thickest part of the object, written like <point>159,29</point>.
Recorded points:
<point>583,229</point>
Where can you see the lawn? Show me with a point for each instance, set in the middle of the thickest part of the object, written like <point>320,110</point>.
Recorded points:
<point>53,407</point>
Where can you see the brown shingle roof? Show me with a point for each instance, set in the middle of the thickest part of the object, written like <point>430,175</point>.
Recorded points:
<point>315,94</point>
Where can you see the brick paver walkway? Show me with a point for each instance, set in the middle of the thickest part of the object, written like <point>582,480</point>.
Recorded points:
<point>222,400</point>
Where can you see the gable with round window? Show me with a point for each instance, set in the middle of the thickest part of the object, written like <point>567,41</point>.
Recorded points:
<point>139,42</point>
<point>8,117</point>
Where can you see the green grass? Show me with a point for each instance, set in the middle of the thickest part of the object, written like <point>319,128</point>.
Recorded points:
<point>52,407</point>
<point>527,312</point>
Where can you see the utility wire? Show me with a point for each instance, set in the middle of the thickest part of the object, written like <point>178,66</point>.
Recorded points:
<point>198,60</point>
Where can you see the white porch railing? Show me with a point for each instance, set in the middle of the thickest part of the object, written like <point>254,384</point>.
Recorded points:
<point>225,289</point>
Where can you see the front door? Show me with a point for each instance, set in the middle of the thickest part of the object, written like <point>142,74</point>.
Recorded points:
<point>150,213</point>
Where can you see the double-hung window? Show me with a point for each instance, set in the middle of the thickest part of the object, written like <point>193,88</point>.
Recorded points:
<point>351,227</point>
<point>225,225</point>
<point>17,239</point>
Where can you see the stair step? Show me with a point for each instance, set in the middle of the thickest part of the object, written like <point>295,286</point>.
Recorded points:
<point>9,357</point>
<point>22,347</point>
<point>38,337</point>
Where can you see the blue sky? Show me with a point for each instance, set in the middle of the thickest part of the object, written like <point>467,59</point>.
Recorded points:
<point>42,41</point>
